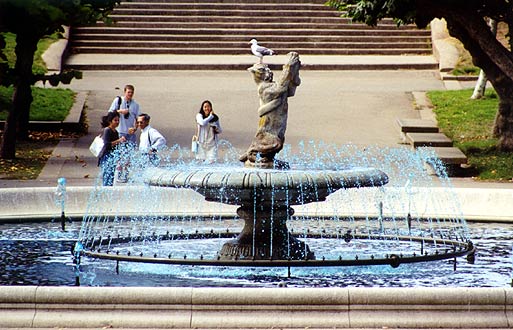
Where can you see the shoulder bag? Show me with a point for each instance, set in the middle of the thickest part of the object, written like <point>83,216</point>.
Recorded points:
<point>96,146</point>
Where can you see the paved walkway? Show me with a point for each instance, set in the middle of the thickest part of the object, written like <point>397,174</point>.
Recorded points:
<point>240,62</point>
<point>357,107</point>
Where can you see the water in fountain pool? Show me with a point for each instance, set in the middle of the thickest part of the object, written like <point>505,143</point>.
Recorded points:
<point>314,198</point>
<point>413,203</point>
<point>39,254</point>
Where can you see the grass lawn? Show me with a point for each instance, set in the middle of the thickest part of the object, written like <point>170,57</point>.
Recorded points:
<point>469,124</point>
<point>39,66</point>
<point>49,104</point>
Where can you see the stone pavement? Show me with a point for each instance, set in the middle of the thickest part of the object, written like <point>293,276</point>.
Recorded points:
<point>357,107</point>
<point>352,106</point>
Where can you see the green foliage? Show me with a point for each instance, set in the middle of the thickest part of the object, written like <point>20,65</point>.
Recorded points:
<point>39,66</point>
<point>44,17</point>
<point>420,12</point>
<point>10,43</point>
<point>466,71</point>
<point>469,124</point>
<point>33,20</point>
<point>49,103</point>
<point>371,12</point>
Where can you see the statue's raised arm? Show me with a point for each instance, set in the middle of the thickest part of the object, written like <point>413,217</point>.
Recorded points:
<point>273,110</point>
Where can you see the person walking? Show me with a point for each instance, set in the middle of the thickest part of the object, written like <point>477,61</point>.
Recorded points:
<point>150,139</point>
<point>209,127</point>
<point>128,110</point>
<point>109,155</point>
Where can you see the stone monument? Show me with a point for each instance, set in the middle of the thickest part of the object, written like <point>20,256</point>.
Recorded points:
<point>273,112</point>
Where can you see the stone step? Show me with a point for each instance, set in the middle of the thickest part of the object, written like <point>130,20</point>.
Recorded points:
<point>413,125</point>
<point>233,1</point>
<point>238,51</point>
<point>141,66</point>
<point>447,155</point>
<point>224,27</point>
<point>444,160</point>
<point>133,61</point>
<point>247,31</point>
<point>428,140</point>
<point>267,19</point>
<point>264,38</point>
<point>227,9</point>
<point>231,5</point>
<point>243,45</point>
<point>252,25</point>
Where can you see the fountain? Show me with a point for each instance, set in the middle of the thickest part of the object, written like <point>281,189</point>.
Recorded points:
<point>345,213</point>
<point>265,191</point>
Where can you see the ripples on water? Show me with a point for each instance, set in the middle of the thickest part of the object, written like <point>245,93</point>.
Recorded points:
<point>39,254</point>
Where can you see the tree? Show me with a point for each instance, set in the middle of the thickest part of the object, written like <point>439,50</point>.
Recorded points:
<point>466,21</point>
<point>30,21</point>
<point>480,88</point>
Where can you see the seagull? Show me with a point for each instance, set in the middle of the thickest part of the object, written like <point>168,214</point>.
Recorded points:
<point>260,51</point>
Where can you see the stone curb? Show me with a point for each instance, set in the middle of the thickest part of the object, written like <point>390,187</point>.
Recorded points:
<point>485,204</point>
<point>230,308</point>
<point>243,66</point>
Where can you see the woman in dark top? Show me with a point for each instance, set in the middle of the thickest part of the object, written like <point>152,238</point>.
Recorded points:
<point>107,159</point>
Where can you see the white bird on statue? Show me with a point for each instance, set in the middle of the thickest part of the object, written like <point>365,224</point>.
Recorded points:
<point>260,51</point>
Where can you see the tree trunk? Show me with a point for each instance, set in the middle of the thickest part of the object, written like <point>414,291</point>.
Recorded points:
<point>26,46</point>
<point>480,88</point>
<point>489,54</point>
<point>503,125</point>
<point>8,146</point>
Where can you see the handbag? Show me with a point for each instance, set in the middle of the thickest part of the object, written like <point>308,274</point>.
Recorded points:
<point>96,146</point>
<point>194,144</point>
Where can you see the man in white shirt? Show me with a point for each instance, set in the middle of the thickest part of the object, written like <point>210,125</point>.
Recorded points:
<point>128,110</point>
<point>150,140</point>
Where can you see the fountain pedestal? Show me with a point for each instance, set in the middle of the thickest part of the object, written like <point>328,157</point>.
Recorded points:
<point>265,198</point>
<point>265,236</point>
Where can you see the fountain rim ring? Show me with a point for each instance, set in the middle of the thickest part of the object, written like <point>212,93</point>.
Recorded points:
<point>465,249</point>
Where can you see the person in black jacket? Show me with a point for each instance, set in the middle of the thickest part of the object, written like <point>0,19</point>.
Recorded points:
<point>108,157</point>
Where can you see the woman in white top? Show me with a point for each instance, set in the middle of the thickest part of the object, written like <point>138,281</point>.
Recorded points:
<point>208,129</point>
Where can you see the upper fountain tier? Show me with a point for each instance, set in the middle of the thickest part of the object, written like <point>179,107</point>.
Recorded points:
<point>242,186</point>
<point>272,186</point>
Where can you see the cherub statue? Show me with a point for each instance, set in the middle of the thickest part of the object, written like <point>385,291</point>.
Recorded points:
<point>273,111</point>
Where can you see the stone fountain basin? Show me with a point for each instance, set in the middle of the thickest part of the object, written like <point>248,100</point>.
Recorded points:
<point>242,186</point>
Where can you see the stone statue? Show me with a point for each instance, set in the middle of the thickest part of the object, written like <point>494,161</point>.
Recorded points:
<point>273,110</point>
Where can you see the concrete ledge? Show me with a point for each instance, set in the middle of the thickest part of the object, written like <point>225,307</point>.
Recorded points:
<point>444,48</point>
<point>241,67</point>
<point>413,125</point>
<point>408,125</point>
<point>428,140</point>
<point>483,204</point>
<point>447,155</point>
<point>235,308</point>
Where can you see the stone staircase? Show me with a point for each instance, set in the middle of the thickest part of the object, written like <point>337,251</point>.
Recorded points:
<point>224,27</point>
